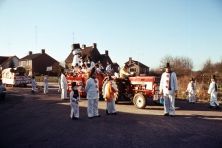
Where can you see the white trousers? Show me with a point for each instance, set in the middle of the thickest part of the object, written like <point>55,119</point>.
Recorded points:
<point>59,88</point>
<point>192,97</point>
<point>64,93</point>
<point>93,107</point>
<point>34,87</point>
<point>74,109</point>
<point>213,99</point>
<point>46,88</point>
<point>169,104</point>
<point>110,106</point>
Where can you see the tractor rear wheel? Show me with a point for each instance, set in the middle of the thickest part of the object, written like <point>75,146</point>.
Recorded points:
<point>139,101</point>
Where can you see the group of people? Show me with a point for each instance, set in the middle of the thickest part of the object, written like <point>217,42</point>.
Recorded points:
<point>212,91</point>
<point>92,90</point>
<point>169,87</point>
<point>46,84</point>
<point>86,68</point>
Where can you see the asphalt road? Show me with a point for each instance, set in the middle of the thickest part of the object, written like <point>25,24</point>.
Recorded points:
<point>42,120</point>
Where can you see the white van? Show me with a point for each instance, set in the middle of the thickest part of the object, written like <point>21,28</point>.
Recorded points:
<point>15,77</point>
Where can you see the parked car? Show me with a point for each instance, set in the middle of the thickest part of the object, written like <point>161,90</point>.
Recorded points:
<point>2,91</point>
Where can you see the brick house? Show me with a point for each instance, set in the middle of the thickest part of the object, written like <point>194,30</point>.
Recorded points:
<point>5,60</point>
<point>36,64</point>
<point>93,52</point>
<point>137,67</point>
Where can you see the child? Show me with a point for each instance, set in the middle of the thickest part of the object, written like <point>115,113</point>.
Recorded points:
<point>213,93</point>
<point>92,90</point>
<point>33,84</point>
<point>191,89</point>
<point>74,98</point>
<point>109,96</point>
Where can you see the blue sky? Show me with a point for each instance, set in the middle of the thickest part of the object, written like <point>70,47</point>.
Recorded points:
<point>146,30</point>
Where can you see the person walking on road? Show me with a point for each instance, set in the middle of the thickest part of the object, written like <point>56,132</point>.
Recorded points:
<point>63,85</point>
<point>74,102</point>
<point>46,82</point>
<point>33,84</point>
<point>191,90</point>
<point>212,91</point>
<point>168,88</point>
<point>92,90</point>
<point>109,96</point>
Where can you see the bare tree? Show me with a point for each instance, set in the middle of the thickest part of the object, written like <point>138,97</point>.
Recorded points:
<point>208,66</point>
<point>182,65</point>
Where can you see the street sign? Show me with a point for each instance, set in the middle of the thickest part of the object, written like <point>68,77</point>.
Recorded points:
<point>49,68</point>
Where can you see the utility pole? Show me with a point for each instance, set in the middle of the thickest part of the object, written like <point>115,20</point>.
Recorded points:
<point>36,38</point>
<point>73,37</point>
<point>9,46</point>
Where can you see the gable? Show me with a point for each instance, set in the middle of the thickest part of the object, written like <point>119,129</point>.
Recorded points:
<point>5,59</point>
<point>89,51</point>
<point>136,63</point>
<point>30,57</point>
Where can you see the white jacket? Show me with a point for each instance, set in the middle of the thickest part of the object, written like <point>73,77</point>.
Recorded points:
<point>92,88</point>
<point>211,89</point>
<point>164,83</point>
<point>63,81</point>
<point>190,90</point>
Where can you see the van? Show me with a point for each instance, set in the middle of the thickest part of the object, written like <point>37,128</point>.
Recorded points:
<point>15,77</point>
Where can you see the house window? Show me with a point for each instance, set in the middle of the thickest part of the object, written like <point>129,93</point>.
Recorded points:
<point>27,63</point>
<point>23,63</point>
<point>132,69</point>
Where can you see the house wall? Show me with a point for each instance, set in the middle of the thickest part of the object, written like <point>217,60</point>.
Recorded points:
<point>95,55</point>
<point>15,60</point>
<point>28,66</point>
<point>40,63</point>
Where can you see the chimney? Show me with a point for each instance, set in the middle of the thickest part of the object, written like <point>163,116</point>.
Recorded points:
<point>94,45</point>
<point>83,46</point>
<point>130,60</point>
<point>30,52</point>
<point>106,53</point>
<point>43,51</point>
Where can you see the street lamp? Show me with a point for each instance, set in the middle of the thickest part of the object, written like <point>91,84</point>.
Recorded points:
<point>139,63</point>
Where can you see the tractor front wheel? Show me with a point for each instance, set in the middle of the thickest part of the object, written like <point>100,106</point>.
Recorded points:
<point>139,101</point>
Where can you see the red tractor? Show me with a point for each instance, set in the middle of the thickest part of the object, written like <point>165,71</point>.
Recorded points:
<point>136,89</point>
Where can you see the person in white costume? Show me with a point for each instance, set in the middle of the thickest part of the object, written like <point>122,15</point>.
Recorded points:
<point>77,55</point>
<point>59,82</point>
<point>63,85</point>
<point>109,69</point>
<point>92,63</point>
<point>213,88</point>
<point>191,90</point>
<point>168,89</point>
<point>33,84</point>
<point>74,102</point>
<point>46,82</point>
<point>109,97</point>
<point>101,66</point>
<point>92,90</point>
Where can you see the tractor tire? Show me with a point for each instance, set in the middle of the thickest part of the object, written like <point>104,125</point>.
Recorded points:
<point>116,87</point>
<point>139,101</point>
